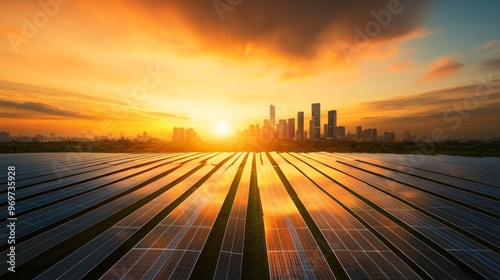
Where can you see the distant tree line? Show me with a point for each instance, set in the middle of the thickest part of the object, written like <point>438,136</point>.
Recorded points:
<point>468,148</point>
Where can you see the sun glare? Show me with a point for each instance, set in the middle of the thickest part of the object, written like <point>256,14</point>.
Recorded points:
<point>221,129</point>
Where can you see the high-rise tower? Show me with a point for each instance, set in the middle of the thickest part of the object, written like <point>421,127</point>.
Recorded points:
<point>300,126</point>
<point>332,124</point>
<point>316,121</point>
<point>272,119</point>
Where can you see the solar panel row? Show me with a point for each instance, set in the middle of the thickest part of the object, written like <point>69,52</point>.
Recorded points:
<point>229,264</point>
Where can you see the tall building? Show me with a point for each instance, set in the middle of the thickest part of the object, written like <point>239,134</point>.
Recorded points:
<point>4,136</point>
<point>272,119</point>
<point>300,126</point>
<point>281,131</point>
<point>389,136</point>
<point>332,124</point>
<point>316,120</point>
<point>266,130</point>
<point>325,130</point>
<point>340,132</point>
<point>191,135</point>
<point>144,136</point>
<point>290,125</point>
<point>178,135</point>
<point>311,130</point>
<point>407,136</point>
<point>359,131</point>
<point>369,134</point>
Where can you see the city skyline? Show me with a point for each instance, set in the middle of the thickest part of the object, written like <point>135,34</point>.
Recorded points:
<point>397,65</point>
<point>283,129</point>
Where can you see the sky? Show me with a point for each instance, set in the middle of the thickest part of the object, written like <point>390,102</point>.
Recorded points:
<point>101,67</point>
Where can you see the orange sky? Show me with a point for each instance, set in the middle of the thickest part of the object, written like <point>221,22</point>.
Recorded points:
<point>129,66</point>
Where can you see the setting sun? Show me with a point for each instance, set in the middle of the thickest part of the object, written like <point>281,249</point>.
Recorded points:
<point>221,129</point>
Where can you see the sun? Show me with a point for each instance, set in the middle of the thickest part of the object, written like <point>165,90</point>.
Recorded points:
<point>222,129</point>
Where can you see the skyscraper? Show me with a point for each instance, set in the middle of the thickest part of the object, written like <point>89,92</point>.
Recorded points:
<point>316,120</point>
<point>266,130</point>
<point>281,129</point>
<point>389,136</point>
<point>359,130</point>
<point>4,136</point>
<point>272,119</point>
<point>340,132</point>
<point>300,126</point>
<point>332,124</point>
<point>407,136</point>
<point>190,135</point>
<point>291,128</point>
<point>311,130</point>
<point>179,134</point>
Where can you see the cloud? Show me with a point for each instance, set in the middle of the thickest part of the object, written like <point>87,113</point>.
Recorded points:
<point>486,45</point>
<point>400,66</point>
<point>165,115</point>
<point>44,108</point>
<point>293,28</point>
<point>11,115</point>
<point>442,68</point>
<point>29,88</point>
<point>492,64</point>
<point>421,113</point>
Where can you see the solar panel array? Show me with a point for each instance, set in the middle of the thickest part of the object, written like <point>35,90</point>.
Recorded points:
<point>374,215</point>
<point>172,248</point>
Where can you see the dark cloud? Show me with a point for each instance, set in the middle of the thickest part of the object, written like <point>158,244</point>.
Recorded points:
<point>291,27</point>
<point>44,108</point>
<point>424,112</point>
<point>166,115</point>
<point>20,87</point>
<point>432,99</point>
<point>491,64</point>
<point>10,115</point>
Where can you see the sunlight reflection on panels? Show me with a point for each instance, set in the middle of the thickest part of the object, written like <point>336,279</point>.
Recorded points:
<point>381,217</point>
<point>286,248</point>
<point>187,227</point>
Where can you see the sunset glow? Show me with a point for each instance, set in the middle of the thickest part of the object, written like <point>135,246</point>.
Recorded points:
<point>123,67</point>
